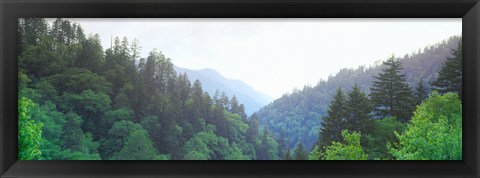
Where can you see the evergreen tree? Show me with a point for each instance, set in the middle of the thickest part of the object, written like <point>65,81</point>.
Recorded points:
<point>31,30</point>
<point>138,147</point>
<point>300,153</point>
<point>72,133</point>
<point>282,144</point>
<point>234,105</point>
<point>358,110</point>
<point>92,56</point>
<point>252,131</point>
<point>450,75</point>
<point>420,93</point>
<point>243,115</point>
<point>334,122</point>
<point>390,93</point>
<point>287,155</point>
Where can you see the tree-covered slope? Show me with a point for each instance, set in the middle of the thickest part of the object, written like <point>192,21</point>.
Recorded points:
<point>213,81</point>
<point>78,101</point>
<point>297,115</point>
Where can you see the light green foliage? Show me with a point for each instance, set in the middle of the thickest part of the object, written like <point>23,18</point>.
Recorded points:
<point>435,132</point>
<point>29,131</point>
<point>315,154</point>
<point>206,145</point>
<point>237,128</point>
<point>350,150</point>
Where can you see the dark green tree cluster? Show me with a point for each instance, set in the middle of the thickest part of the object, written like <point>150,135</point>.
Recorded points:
<point>114,105</point>
<point>352,112</point>
<point>450,75</point>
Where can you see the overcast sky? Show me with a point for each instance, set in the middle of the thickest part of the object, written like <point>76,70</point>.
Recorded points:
<point>275,56</point>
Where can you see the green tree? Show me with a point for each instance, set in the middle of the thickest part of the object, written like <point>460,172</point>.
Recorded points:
<point>358,109</point>
<point>29,131</point>
<point>116,138</point>
<point>315,154</point>
<point>334,122</point>
<point>390,93</point>
<point>138,146</point>
<point>31,30</point>
<point>449,77</point>
<point>206,145</point>
<point>435,131</point>
<point>287,155</point>
<point>381,136</point>
<point>420,93</point>
<point>92,56</point>
<point>300,153</point>
<point>252,131</point>
<point>268,148</point>
<point>350,150</point>
<point>72,132</point>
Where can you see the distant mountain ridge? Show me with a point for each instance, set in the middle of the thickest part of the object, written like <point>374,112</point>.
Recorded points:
<point>212,80</point>
<point>298,114</point>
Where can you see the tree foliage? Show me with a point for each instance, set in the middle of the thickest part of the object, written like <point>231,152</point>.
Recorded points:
<point>349,150</point>
<point>435,132</point>
<point>391,94</point>
<point>112,103</point>
<point>29,131</point>
<point>450,75</point>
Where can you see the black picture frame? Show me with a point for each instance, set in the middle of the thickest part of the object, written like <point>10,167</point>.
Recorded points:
<point>468,10</point>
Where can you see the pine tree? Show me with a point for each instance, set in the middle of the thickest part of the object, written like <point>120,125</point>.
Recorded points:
<point>450,75</point>
<point>234,105</point>
<point>72,133</point>
<point>420,93</point>
<point>300,153</point>
<point>252,130</point>
<point>287,155</point>
<point>359,110</point>
<point>334,122</point>
<point>390,93</point>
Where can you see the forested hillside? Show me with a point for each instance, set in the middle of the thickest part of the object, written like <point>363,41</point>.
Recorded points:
<point>78,101</point>
<point>297,115</point>
<point>213,82</point>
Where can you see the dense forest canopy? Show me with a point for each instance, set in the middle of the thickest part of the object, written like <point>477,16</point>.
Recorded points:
<point>79,101</point>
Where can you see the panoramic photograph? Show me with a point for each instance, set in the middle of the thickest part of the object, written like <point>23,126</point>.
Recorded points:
<point>239,89</point>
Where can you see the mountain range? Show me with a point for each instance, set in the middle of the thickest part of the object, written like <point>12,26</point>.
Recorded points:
<point>212,80</point>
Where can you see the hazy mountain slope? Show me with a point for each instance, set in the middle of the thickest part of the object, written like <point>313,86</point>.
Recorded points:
<point>298,114</point>
<point>212,80</point>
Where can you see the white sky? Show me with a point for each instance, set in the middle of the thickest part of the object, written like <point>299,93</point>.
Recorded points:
<point>275,56</point>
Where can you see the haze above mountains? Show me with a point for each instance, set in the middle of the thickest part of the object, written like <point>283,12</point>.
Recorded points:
<point>212,80</point>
